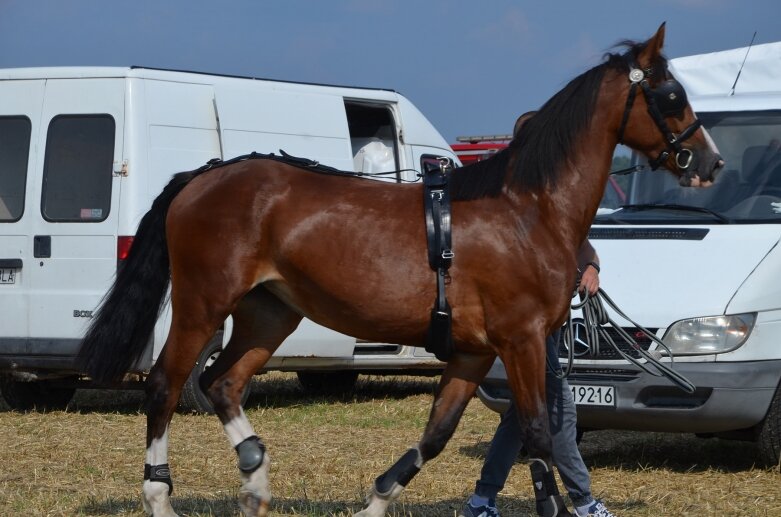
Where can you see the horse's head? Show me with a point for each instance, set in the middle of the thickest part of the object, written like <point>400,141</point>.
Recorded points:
<point>658,121</point>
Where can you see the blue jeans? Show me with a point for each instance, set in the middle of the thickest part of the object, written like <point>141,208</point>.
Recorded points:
<point>562,416</point>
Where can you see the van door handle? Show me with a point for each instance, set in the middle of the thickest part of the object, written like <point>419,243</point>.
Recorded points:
<point>42,246</point>
<point>14,263</point>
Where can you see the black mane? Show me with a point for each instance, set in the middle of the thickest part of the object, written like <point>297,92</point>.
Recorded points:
<point>533,159</point>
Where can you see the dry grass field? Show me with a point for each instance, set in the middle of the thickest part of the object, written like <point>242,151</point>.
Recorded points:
<point>327,451</point>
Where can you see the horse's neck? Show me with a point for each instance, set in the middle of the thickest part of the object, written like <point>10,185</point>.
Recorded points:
<point>581,185</point>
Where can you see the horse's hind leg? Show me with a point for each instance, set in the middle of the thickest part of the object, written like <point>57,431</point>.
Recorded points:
<point>163,387</point>
<point>260,323</point>
<point>459,381</point>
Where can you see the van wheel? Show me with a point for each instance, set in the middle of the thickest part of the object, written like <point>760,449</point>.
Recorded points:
<point>770,433</point>
<point>192,399</point>
<point>337,382</point>
<point>47,395</point>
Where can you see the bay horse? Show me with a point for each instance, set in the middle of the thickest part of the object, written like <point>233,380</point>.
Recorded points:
<point>269,243</point>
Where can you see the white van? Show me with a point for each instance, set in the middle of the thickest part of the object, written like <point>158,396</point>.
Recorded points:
<point>84,151</point>
<point>699,267</point>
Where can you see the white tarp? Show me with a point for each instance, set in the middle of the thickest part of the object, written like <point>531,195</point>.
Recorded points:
<point>715,73</point>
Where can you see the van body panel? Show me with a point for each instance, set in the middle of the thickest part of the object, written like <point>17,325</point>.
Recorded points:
<point>20,103</point>
<point>762,290</point>
<point>638,273</point>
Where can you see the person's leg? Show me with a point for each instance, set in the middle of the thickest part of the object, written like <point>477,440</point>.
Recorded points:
<point>563,426</point>
<point>501,456</point>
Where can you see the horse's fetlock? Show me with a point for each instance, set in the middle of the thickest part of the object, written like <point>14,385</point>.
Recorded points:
<point>400,473</point>
<point>251,453</point>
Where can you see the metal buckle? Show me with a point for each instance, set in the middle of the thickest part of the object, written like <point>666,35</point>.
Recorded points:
<point>688,160</point>
<point>448,254</point>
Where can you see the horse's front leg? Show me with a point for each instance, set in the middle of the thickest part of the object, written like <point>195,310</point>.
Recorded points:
<point>526,370</point>
<point>462,375</point>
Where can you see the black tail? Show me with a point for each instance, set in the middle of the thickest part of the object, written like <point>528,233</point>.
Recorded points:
<point>123,325</point>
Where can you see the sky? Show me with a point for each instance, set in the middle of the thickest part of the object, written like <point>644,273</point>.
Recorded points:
<point>470,67</point>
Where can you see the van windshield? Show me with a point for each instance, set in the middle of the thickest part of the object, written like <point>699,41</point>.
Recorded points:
<point>748,189</point>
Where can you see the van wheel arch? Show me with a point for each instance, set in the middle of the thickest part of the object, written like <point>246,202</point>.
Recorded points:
<point>193,399</point>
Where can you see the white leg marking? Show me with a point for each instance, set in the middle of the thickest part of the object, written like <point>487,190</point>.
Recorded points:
<point>238,429</point>
<point>157,452</point>
<point>155,493</point>
<point>254,495</point>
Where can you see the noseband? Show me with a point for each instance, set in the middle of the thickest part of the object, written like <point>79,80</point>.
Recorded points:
<point>667,99</point>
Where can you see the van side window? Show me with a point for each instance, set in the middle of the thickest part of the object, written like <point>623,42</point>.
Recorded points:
<point>373,138</point>
<point>14,152</point>
<point>78,168</point>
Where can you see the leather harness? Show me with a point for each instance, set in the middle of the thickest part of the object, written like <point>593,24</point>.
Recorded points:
<point>436,205</point>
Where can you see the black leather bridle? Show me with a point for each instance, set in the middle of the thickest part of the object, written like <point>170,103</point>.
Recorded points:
<point>667,99</point>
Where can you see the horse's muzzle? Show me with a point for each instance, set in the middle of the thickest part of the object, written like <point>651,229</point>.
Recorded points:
<point>703,172</point>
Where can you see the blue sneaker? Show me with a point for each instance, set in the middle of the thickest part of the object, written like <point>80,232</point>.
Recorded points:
<point>597,509</point>
<point>487,510</point>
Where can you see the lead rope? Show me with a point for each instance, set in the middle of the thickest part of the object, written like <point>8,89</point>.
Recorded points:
<point>595,318</point>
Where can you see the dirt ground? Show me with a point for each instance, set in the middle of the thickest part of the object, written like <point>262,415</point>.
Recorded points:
<point>326,452</point>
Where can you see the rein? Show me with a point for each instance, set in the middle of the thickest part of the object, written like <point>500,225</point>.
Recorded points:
<point>595,318</point>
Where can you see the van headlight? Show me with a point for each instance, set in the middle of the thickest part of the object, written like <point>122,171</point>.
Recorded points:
<point>709,335</point>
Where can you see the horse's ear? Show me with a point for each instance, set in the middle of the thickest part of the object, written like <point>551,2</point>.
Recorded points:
<point>653,48</point>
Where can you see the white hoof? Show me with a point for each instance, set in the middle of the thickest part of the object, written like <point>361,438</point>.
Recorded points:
<point>156,501</point>
<point>378,504</point>
<point>254,495</point>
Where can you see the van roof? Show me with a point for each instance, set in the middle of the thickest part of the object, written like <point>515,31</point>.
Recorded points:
<point>715,73</point>
<point>73,72</point>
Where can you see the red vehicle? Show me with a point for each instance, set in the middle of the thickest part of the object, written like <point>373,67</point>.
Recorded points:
<point>471,149</point>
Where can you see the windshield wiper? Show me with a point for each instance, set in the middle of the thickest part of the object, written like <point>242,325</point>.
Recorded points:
<point>683,208</point>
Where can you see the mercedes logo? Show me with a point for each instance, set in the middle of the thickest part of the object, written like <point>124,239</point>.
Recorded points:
<point>579,339</point>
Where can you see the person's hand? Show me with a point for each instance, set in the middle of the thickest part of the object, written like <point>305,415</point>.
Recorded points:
<point>589,280</point>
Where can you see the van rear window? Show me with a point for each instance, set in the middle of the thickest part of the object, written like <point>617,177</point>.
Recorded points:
<point>14,151</point>
<point>78,168</point>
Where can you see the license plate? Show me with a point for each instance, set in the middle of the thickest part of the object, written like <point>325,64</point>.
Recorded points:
<point>593,395</point>
<point>7,276</point>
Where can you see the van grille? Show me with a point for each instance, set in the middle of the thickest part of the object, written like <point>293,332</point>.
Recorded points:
<point>606,350</point>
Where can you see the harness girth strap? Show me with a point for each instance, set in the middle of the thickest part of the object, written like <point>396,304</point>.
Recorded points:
<point>436,206</point>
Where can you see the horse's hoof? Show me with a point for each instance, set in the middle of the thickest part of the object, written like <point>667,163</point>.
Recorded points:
<point>252,505</point>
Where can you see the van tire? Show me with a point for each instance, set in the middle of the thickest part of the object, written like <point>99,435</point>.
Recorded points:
<point>331,382</point>
<point>193,399</point>
<point>45,395</point>
<point>770,433</point>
